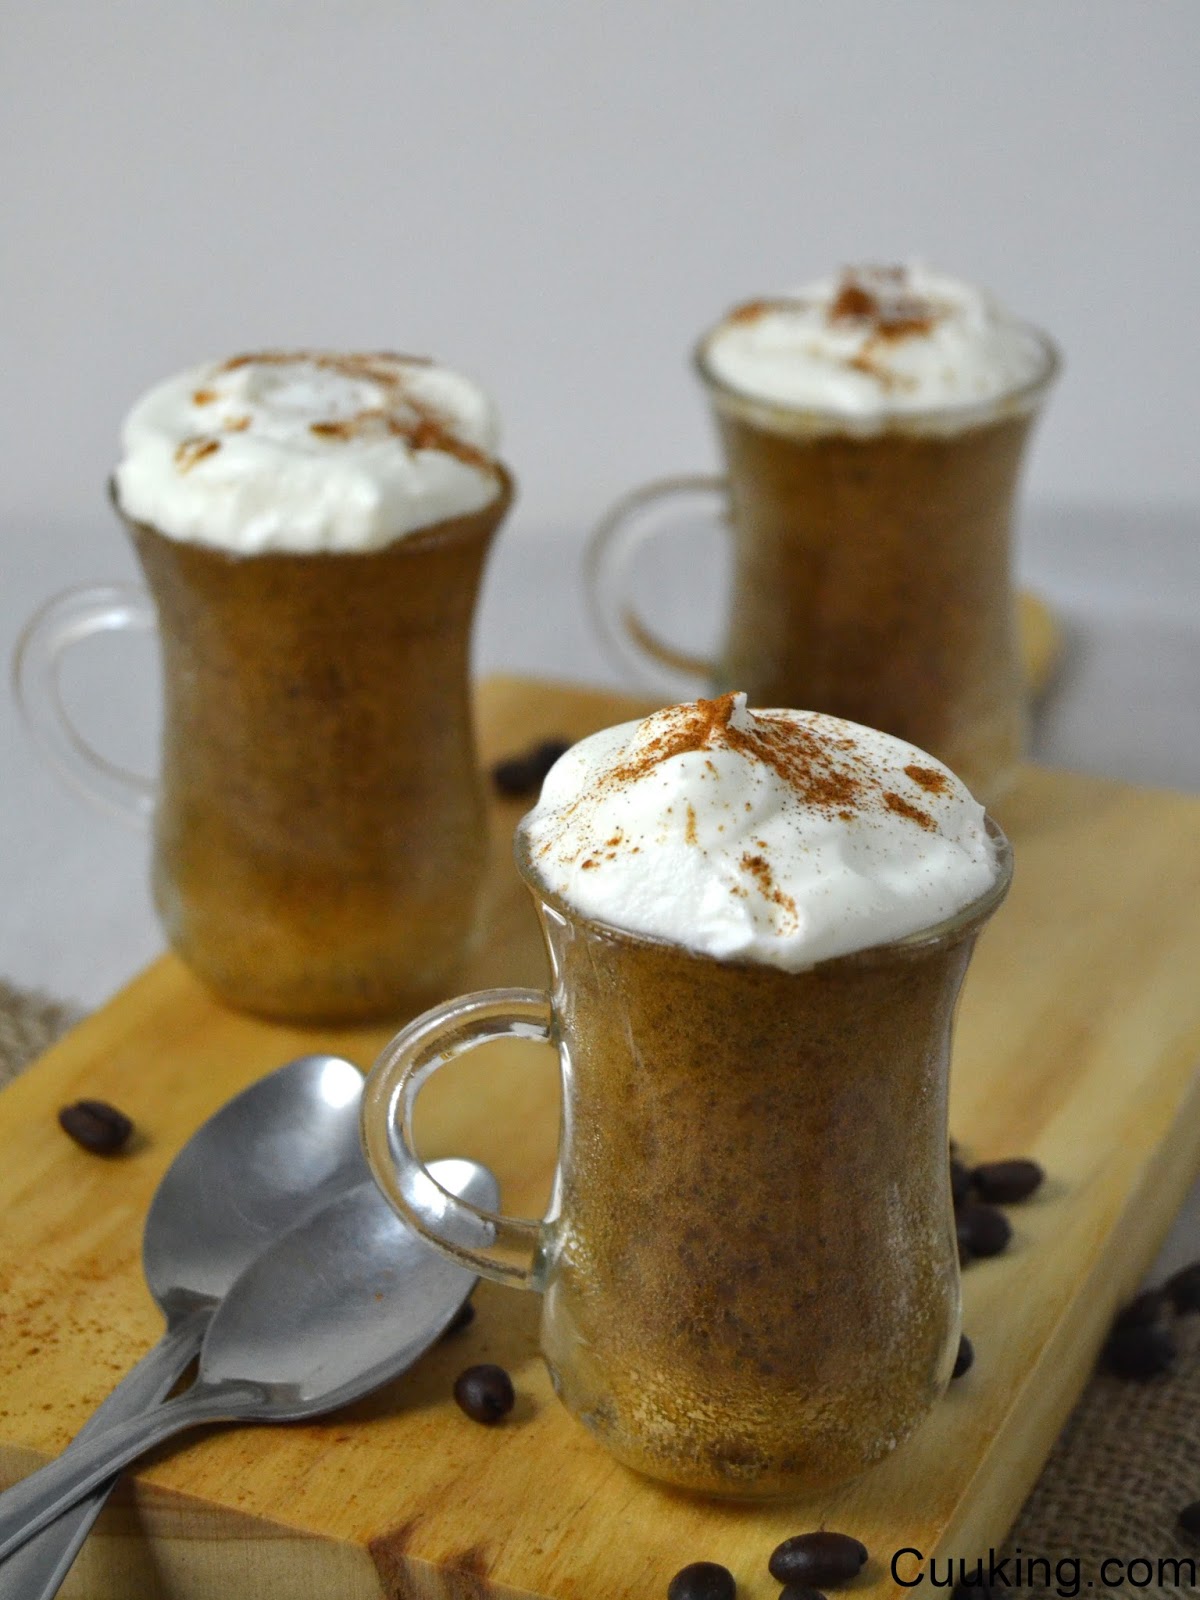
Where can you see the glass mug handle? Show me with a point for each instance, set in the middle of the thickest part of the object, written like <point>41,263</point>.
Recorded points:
<point>64,621</point>
<point>635,521</point>
<point>499,1247</point>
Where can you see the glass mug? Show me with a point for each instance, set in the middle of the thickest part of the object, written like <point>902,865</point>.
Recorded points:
<point>750,1281</point>
<point>319,823</point>
<point>872,570</point>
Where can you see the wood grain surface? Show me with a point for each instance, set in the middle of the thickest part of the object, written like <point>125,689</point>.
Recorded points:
<point>1078,1041</point>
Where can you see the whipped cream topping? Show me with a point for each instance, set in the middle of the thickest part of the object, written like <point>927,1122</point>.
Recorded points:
<point>874,343</point>
<point>308,451</point>
<point>782,837</point>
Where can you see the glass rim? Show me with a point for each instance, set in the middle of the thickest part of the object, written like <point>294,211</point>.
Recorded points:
<point>1019,398</point>
<point>945,932</point>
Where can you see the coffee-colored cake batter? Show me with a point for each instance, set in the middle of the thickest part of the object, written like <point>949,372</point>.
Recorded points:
<point>871,579</point>
<point>757,1292</point>
<point>320,832</point>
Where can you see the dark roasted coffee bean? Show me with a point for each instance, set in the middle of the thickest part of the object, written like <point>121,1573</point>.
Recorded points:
<point>799,1591</point>
<point>965,1357</point>
<point>1189,1519</point>
<point>96,1125</point>
<point>1003,1183</point>
<point>548,752</point>
<point>1183,1288</point>
<point>817,1558</point>
<point>463,1318</point>
<point>702,1580</point>
<point>521,775</point>
<point>1140,1352</point>
<point>1144,1310</point>
<point>485,1392</point>
<point>960,1182</point>
<point>513,777</point>
<point>984,1230</point>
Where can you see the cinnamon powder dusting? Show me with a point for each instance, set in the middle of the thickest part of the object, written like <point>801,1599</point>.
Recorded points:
<point>377,367</point>
<point>759,869</point>
<point>928,778</point>
<point>792,751</point>
<point>828,775</point>
<point>905,808</point>
<point>751,311</point>
<point>422,431</point>
<point>852,301</point>
<point>403,415</point>
<point>190,451</point>
<point>880,300</point>
<point>690,832</point>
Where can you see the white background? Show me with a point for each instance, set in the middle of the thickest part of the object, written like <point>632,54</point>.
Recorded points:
<point>558,197</point>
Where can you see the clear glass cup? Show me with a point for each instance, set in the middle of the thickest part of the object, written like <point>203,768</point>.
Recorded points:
<point>319,822</point>
<point>872,569</point>
<point>748,1267</point>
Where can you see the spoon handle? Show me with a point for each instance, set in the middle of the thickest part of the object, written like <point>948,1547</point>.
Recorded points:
<point>28,1506</point>
<point>36,1571</point>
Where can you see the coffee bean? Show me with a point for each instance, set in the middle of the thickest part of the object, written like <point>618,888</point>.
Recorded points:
<point>984,1230</point>
<point>485,1392</point>
<point>521,775</point>
<point>817,1558</point>
<point>1140,1352</point>
<point>1183,1288</point>
<point>96,1126</point>
<point>799,1591</point>
<point>960,1182</point>
<point>1003,1183</point>
<point>965,1357</point>
<point>702,1580</point>
<point>463,1318</point>
<point>1143,1311</point>
<point>965,1256</point>
<point>1189,1519</point>
<point>514,777</point>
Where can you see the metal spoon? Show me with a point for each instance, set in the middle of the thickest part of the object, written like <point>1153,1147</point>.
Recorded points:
<point>278,1151</point>
<point>330,1311</point>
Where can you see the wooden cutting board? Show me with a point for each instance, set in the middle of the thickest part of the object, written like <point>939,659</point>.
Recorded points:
<point>1078,1042</point>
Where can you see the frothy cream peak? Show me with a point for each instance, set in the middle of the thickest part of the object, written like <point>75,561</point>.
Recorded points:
<point>308,451</point>
<point>784,837</point>
<point>876,342</point>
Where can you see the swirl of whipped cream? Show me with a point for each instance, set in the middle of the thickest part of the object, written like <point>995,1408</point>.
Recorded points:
<point>781,837</point>
<point>307,451</point>
<point>876,343</point>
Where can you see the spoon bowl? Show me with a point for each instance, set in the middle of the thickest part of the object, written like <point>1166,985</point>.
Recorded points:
<point>340,1304</point>
<point>269,1157</point>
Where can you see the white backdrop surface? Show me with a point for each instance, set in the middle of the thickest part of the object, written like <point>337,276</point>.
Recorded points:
<point>559,197</point>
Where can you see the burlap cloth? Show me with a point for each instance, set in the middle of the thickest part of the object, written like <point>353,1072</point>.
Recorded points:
<point>29,1024</point>
<point>1127,1461</point>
